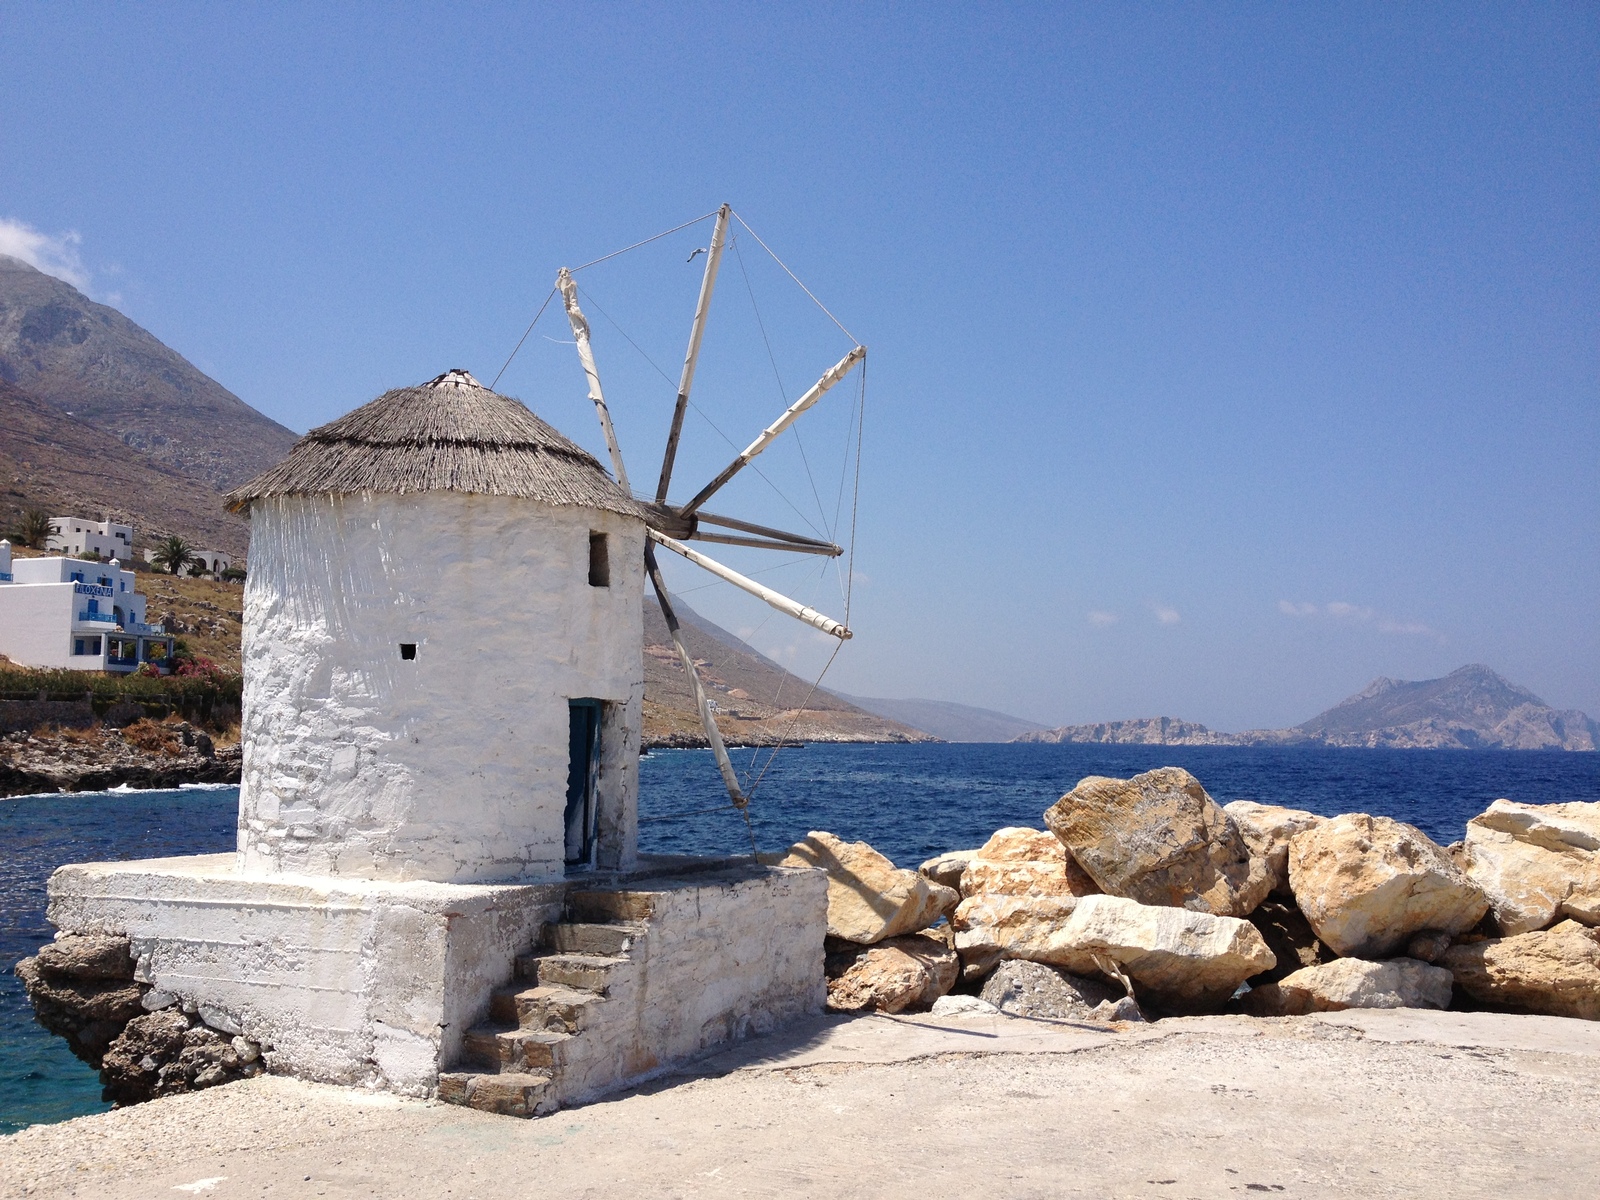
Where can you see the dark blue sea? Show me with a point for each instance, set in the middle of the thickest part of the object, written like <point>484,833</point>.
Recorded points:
<point>911,802</point>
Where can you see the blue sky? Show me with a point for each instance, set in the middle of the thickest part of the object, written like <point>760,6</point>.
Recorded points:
<point>1222,357</point>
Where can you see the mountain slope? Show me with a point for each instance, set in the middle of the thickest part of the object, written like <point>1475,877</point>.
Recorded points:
<point>947,721</point>
<point>1470,708</point>
<point>52,461</point>
<point>758,701</point>
<point>63,348</point>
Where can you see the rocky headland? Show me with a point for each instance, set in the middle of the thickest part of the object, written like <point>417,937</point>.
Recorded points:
<point>1472,708</point>
<point>144,754</point>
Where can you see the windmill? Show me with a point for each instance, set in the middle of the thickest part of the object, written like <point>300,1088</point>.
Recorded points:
<point>670,525</point>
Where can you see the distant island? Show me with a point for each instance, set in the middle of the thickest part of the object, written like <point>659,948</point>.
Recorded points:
<point>1472,708</point>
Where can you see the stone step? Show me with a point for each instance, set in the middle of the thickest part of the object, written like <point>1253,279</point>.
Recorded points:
<point>606,907</point>
<point>582,972</point>
<point>512,1050</point>
<point>503,1006</point>
<point>511,1094</point>
<point>578,937</point>
<point>559,1009</point>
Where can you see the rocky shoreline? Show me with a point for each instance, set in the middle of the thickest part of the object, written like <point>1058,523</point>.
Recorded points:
<point>144,754</point>
<point>1143,899</point>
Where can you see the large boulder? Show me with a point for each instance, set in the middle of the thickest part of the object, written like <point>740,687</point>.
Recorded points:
<point>1367,884</point>
<point>1267,830</point>
<point>1555,971</point>
<point>869,898</point>
<point>1159,839</point>
<point>1024,862</point>
<point>891,976</point>
<point>82,988</point>
<point>1536,862</point>
<point>989,928</point>
<point>1028,989</point>
<point>1353,983</point>
<point>1184,961</point>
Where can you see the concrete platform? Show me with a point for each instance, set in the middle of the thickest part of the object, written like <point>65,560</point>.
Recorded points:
<point>1401,1103</point>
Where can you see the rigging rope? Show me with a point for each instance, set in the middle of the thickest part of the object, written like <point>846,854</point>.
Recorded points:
<point>783,392</point>
<point>796,278</point>
<point>522,339</point>
<point>855,510</point>
<point>593,262</point>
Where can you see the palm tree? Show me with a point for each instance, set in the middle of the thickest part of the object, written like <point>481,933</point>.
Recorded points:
<point>35,529</point>
<point>174,554</point>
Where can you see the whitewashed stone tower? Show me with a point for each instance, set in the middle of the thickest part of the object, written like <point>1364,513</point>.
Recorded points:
<point>443,670</point>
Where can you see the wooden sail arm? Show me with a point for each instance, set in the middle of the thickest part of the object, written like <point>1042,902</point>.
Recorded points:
<point>762,531</point>
<point>770,434</point>
<point>713,735</point>
<point>580,334</point>
<point>719,237</point>
<point>778,600</point>
<point>728,539</point>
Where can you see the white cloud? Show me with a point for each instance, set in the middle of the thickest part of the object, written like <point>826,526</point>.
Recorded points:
<point>57,255</point>
<point>1102,618</point>
<point>1339,608</point>
<point>1167,616</point>
<point>1343,610</point>
<point>1410,628</point>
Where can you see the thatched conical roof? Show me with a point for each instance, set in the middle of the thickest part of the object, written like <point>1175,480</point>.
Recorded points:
<point>450,434</point>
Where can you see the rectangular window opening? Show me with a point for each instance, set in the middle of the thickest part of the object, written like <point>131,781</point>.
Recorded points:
<point>599,561</point>
<point>408,650</point>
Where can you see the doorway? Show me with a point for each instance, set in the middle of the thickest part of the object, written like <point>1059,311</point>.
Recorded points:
<point>583,773</point>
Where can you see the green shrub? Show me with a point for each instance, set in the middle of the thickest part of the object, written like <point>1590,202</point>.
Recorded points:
<point>206,698</point>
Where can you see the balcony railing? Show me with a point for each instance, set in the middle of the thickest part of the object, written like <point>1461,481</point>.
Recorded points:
<point>141,628</point>
<point>108,618</point>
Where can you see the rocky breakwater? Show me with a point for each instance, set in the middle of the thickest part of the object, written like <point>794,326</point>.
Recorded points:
<point>144,1042</point>
<point>1143,896</point>
<point>144,754</point>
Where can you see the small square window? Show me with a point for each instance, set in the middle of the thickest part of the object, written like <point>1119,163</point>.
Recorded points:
<point>408,650</point>
<point>599,561</point>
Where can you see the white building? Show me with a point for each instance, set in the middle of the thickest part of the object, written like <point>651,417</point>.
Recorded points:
<point>77,615</point>
<point>201,562</point>
<point>443,682</point>
<point>426,666</point>
<point>80,535</point>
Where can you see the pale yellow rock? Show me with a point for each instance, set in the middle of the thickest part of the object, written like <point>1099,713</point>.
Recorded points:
<point>1367,884</point>
<point>869,898</point>
<point>945,869</point>
<point>1024,862</point>
<point>1554,971</point>
<point>892,976</point>
<point>1158,838</point>
<point>1353,983</point>
<point>1267,830</point>
<point>1536,862</point>
<point>1185,960</point>
<point>989,928</point>
<point>1018,843</point>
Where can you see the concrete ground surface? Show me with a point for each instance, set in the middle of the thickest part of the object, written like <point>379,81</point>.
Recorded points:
<point>1397,1103</point>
